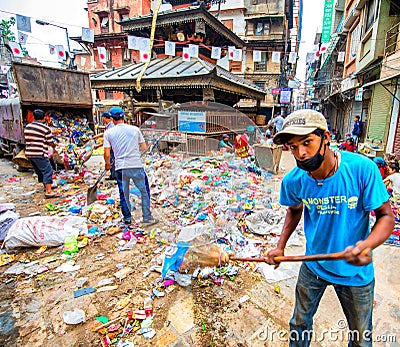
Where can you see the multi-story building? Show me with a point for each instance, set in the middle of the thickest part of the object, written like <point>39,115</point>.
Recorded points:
<point>367,41</point>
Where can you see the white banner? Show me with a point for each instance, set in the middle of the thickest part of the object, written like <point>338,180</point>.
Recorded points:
<point>170,48</point>
<point>16,49</point>
<point>88,35</point>
<point>102,52</point>
<point>22,37</point>
<point>194,51</point>
<point>292,57</point>
<point>185,54</point>
<point>133,42</point>
<point>216,53</point>
<point>276,57</point>
<point>257,56</point>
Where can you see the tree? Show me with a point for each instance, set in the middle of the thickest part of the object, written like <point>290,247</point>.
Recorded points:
<point>5,27</point>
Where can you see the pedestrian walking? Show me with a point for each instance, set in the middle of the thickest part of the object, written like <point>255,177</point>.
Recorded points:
<point>38,138</point>
<point>357,130</point>
<point>127,141</point>
<point>336,191</point>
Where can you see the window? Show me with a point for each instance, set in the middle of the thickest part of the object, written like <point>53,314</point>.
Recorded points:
<point>235,66</point>
<point>126,53</point>
<point>228,23</point>
<point>354,41</point>
<point>123,16</point>
<point>262,28</point>
<point>261,65</point>
<point>371,14</point>
<point>104,24</point>
<point>109,95</point>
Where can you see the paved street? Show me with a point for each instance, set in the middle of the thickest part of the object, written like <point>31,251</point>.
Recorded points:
<point>197,315</point>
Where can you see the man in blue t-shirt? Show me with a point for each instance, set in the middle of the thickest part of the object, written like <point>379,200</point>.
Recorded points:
<point>337,191</point>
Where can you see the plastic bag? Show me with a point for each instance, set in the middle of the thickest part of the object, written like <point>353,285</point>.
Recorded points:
<point>74,317</point>
<point>39,231</point>
<point>70,244</point>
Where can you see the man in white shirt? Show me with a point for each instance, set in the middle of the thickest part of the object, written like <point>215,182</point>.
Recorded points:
<point>127,141</point>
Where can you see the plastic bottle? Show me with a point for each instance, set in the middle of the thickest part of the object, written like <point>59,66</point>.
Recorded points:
<point>148,307</point>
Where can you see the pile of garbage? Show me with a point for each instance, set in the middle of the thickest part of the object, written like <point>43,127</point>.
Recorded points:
<point>74,138</point>
<point>209,208</point>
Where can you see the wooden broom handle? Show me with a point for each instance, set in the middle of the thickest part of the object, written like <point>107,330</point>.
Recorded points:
<point>315,257</point>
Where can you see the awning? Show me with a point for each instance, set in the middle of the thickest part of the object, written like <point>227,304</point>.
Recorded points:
<point>381,80</point>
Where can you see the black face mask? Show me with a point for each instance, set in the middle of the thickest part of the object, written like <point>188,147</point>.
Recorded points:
<point>313,163</point>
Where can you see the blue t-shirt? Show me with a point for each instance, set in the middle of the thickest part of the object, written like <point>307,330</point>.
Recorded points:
<point>336,214</point>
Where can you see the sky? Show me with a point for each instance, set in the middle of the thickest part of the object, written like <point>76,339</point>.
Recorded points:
<point>312,23</point>
<point>69,14</point>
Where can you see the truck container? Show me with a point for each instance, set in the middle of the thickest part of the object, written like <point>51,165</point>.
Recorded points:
<point>66,92</point>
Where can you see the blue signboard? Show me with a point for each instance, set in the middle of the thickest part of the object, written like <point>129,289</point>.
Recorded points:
<point>192,122</point>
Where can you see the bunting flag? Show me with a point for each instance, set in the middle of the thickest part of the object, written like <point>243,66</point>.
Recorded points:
<point>292,57</point>
<point>341,57</point>
<point>317,55</point>
<point>231,52</point>
<point>23,23</point>
<point>185,54</point>
<point>276,57</point>
<point>16,49</point>
<point>5,69</point>
<point>133,42</point>
<point>144,44</point>
<point>324,47</point>
<point>257,56</point>
<point>88,35</point>
<point>170,48</point>
<point>194,51</point>
<point>102,54</point>
<point>61,52</point>
<point>237,54</point>
<point>22,37</point>
<point>216,53</point>
<point>145,57</point>
<point>52,49</point>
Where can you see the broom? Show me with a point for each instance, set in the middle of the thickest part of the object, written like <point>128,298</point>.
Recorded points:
<point>212,255</point>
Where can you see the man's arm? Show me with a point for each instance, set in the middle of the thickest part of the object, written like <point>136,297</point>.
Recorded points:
<point>381,230</point>
<point>143,146</point>
<point>292,219</point>
<point>107,156</point>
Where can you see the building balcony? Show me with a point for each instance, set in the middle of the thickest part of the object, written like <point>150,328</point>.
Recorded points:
<point>392,40</point>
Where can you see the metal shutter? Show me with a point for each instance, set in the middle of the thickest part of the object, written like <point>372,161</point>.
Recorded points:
<point>380,114</point>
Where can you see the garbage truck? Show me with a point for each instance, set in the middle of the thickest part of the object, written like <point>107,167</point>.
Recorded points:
<point>65,95</point>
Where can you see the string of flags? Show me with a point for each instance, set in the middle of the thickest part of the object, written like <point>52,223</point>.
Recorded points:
<point>142,44</point>
<point>24,27</point>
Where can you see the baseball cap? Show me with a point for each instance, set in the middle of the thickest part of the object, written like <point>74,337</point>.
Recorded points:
<point>224,136</point>
<point>116,113</point>
<point>106,115</point>
<point>301,122</point>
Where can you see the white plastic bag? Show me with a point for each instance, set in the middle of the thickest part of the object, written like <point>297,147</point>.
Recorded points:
<point>74,317</point>
<point>42,230</point>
